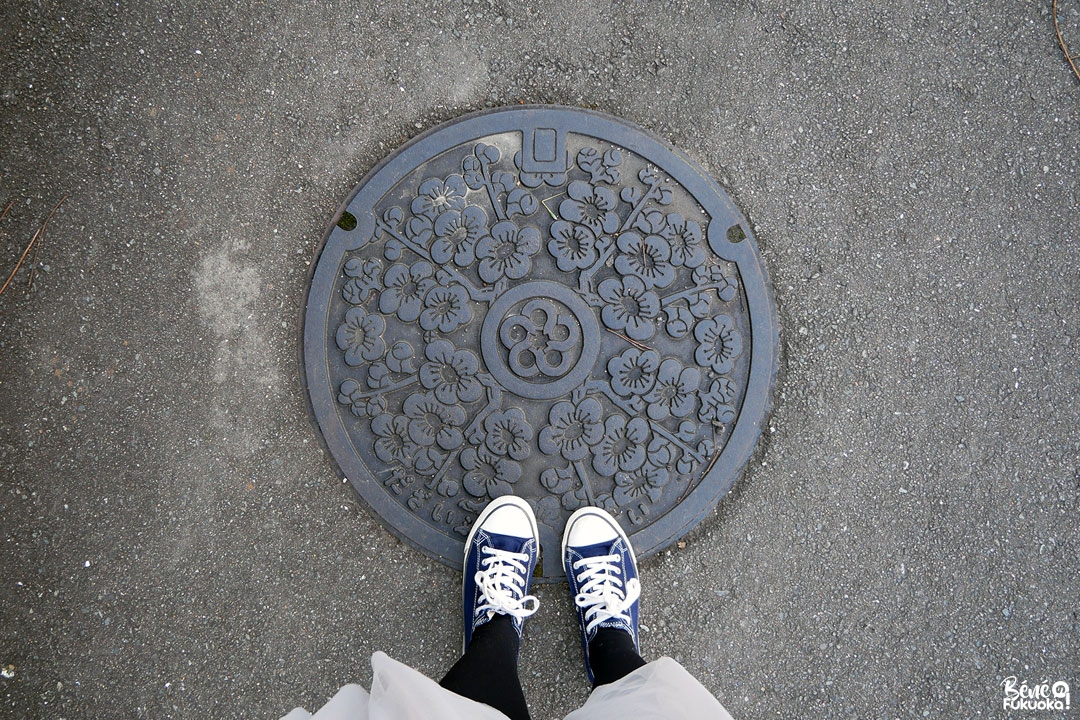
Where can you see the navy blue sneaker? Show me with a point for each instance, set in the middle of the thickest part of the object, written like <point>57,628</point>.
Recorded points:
<point>602,573</point>
<point>500,556</point>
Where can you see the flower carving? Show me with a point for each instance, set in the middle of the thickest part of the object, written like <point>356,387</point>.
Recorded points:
<point>456,236</point>
<point>432,422</point>
<point>685,240</point>
<point>647,257</point>
<point>487,473</point>
<point>557,480</point>
<point>364,278</point>
<point>428,460</point>
<point>623,446</point>
<point>591,206</point>
<point>674,392</point>
<point>634,371</point>
<point>445,309</point>
<point>629,305</point>
<point>508,433</point>
<point>360,336</point>
<point>572,246</point>
<point>447,487</point>
<point>393,444</point>
<point>564,482</point>
<point>438,196</point>
<point>601,168</point>
<point>573,429</point>
<point>418,229</point>
<point>645,483</point>
<point>716,402</point>
<point>507,252</point>
<point>719,343</point>
<point>405,288</point>
<point>726,288</point>
<point>451,373</point>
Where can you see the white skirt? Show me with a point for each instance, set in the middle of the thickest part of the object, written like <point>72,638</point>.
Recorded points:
<point>662,690</point>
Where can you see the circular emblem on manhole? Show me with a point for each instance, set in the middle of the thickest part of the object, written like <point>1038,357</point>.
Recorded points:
<point>541,301</point>
<point>540,340</point>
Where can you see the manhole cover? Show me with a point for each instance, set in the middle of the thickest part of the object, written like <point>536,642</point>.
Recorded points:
<point>540,301</point>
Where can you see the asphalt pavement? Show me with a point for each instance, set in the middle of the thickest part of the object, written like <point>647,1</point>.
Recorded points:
<point>175,542</point>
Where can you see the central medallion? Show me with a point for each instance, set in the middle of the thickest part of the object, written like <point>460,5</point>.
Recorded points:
<point>540,340</point>
<point>545,302</point>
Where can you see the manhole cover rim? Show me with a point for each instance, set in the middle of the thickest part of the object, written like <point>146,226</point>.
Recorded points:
<point>758,293</point>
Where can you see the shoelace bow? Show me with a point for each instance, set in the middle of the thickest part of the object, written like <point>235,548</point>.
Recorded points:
<point>603,594</point>
<point>502,582</point>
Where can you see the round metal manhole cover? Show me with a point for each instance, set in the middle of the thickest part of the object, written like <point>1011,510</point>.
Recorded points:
<point>541,301</point>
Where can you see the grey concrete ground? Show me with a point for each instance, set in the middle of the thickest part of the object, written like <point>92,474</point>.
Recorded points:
<point>175,544</point>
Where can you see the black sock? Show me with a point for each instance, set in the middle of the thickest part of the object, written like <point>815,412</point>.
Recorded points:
<point>612,656</point>
<point>487,672</point>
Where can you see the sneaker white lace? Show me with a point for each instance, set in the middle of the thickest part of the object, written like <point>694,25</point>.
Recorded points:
<point>502,580</point>
<point>604,596</point>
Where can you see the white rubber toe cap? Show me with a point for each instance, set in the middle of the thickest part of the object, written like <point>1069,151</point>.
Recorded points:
<point>589,526</point>
<point>509,515</point>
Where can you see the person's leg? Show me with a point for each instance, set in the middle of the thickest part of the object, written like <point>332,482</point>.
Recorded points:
<point>500,556</point>
<point>602,573</point>
<point>613,655</point>
<point>488,671</point>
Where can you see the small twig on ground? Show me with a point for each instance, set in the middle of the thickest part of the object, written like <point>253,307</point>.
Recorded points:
<point>1061,41</point>
<point>635,343</point>
<point>41,239</point>
<point>19,264</point>
<point>9,206</point>
<point>37,237</point>
<point>690,484</point>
